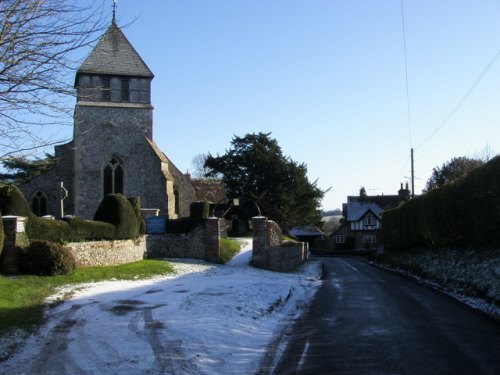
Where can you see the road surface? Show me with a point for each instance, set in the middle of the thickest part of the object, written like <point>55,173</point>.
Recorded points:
<point>365,320</point>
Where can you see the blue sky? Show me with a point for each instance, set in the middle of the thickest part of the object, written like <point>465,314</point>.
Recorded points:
<point>327,79</point>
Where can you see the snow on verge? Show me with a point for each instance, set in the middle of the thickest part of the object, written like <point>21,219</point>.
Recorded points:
<point>206,319</point>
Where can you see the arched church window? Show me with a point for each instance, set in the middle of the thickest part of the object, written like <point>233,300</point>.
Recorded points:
<point>113,177</point>
<point>39,203</point>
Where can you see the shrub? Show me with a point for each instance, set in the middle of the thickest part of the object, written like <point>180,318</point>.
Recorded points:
<point>1,238</point>
<point>182,225</point>
<point>38,228</point>
<point>46,259</point>
<point>117,210</point>
<point>90,230</point>
<point>12,201</point>
<point>136,205</point>
<point>228,249</point>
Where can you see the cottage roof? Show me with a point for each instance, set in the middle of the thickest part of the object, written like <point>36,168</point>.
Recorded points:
<point>114,55</point>
<point>305,231</point>
<point>357,207</point>
<point>209,189</point>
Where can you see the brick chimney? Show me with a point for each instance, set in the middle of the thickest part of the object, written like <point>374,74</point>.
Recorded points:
<point>404,193</point>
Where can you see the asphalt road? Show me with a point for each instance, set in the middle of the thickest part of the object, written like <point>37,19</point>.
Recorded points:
<point>365,320</point>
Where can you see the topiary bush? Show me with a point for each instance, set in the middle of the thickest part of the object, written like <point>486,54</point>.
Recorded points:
<point>136,204</point>
<point>123,220</point>
<point>117,210</point>
<point>45,258</point>
<point>90,230</point>
<point>12,201</point>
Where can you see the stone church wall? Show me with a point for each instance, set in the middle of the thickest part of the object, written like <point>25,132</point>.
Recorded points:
<point>116,132</point>
<point>187,193</point>
<point>49,183</point>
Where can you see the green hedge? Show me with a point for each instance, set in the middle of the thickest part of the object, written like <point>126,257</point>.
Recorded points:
<point>12,202</point>
<point>1,237</point>
<point>117,210</point>
<point>46,259</point>
<point>183,225</point>
<point>466,212</point>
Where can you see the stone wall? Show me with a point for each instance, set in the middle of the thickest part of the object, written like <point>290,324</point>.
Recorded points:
<point>108,253</point>
<point>288,256</point>
<point>269,250</point>
<point>189,245</point>
<point>201,243</point>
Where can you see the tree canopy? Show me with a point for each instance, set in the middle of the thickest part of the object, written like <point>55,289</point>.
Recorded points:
<point>21,170</point>
<point>451,171</point>
<point>255,169</point>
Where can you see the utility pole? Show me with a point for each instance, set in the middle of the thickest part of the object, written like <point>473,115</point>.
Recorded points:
<point>412,175</point>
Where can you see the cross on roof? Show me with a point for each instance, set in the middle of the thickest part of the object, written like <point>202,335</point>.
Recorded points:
<point>114,11</point>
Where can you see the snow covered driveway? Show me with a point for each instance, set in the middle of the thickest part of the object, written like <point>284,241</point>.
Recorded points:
<point>207,319</point>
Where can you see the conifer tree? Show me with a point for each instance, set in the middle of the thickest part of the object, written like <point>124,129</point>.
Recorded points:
<point>255,170</point>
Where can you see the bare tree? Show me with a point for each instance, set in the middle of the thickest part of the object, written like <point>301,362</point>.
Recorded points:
<point>38,40</point>
<point>200,170</point>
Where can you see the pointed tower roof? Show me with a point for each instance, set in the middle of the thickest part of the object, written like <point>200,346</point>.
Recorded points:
<point>114,55</point>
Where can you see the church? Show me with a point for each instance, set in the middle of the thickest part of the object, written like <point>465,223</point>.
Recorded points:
<point>112,150</point>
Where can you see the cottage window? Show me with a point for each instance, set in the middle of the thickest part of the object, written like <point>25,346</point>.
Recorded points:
<point>370,238</point>
<point>113,177</point>
<point>339,238</point>
<point>39,203</point>
<point>369,221</point>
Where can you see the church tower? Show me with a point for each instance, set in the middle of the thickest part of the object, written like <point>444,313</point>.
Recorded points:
<point>112,150</point>
<point>113,146</point>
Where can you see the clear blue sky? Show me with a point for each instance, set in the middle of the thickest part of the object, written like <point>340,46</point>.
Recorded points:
<point>327,79</point>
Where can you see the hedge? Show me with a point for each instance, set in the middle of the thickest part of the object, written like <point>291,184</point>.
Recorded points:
<point>12,202</point>
<point>117,210</point>
<point>1,236</point>
<point>466,212</point>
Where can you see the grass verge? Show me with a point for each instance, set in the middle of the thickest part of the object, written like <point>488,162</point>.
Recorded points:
<point>474,273</point>
<point>228,249</point>
<point>22,297</point>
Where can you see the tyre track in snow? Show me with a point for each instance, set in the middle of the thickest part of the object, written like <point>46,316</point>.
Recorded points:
<point>54,358</point>
<point>169,357</point>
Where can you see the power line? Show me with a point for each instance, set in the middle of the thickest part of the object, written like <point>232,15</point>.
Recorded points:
<point>406,72</point>
<point>463,99</point>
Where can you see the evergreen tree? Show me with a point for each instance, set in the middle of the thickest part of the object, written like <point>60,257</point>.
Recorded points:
<point>24,170</point>
<point>451,171</point>
<point>255,170</point>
